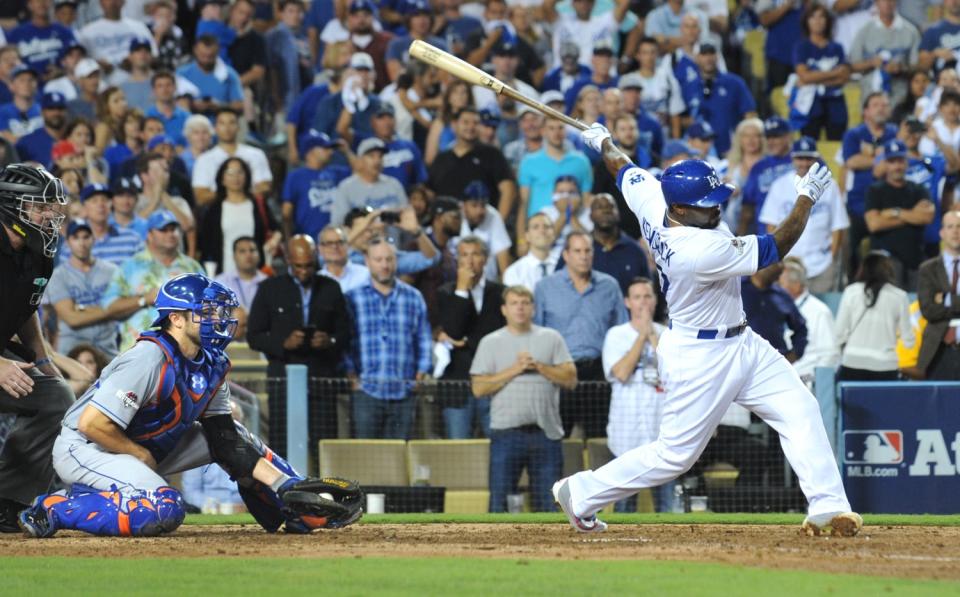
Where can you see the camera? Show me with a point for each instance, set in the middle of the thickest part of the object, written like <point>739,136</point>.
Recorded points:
<point>390,217</point>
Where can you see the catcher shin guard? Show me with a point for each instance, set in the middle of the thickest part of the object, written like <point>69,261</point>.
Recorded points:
<point>111,513</point>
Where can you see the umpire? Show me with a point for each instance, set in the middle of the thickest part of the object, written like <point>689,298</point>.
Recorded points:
<point>32,206</point>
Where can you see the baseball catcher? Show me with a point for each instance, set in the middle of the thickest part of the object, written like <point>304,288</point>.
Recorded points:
<point>163,407</point>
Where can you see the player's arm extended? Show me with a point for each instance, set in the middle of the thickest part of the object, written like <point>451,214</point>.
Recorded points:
<point>789,230</point>
<point>614,158</point>
<point>103,431</point>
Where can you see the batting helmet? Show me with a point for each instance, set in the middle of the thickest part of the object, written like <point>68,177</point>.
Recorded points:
<point>211,303</point>
<point>31,204</point>
<point>693,182</point>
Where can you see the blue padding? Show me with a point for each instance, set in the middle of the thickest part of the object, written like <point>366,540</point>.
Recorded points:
<point>767,253</point>
<point>621,173</point>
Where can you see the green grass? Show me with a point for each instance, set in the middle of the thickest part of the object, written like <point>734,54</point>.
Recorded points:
<point>540,518</point>
<point>437,576</point>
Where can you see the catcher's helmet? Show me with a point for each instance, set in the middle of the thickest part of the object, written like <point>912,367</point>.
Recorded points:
<point>31,204</point>
<point>693,182</point>
<point>211,303</point>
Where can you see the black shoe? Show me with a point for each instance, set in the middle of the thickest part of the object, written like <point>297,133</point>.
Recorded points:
<point>9,511</point>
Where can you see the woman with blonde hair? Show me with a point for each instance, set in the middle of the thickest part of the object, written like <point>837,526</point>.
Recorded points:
<point>111,109</point>
<point>198,132</point>
<point>747,148</point>
<point>440,136</point>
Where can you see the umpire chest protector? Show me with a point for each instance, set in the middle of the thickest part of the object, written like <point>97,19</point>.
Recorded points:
<point>184,391</point>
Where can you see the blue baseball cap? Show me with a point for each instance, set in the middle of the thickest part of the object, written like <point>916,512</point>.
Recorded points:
<point>124,185</point>
<point>476,191</point>
<point>161,219</point>
<point>53,100</point>
<point>139,43</point>
<point>160,140</point>
<point>417,7</point>
<point>672,149</point>
<point>20,69</point>
<point>314,138</point>
<point>94,189</point>
<point>358,5</point>
<point>776,126</point>
<point>76,225</point>
<point>804,147</point>
<point>489,117</point>
<point>701,130</point>
<point>894,149</point>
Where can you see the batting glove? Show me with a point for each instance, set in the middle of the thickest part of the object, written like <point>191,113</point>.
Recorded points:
<point>816,181</point>
<point>594,136</point>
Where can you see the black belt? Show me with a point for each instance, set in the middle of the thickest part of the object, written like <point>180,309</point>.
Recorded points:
<point>708,334</point>
<point>525,428</point>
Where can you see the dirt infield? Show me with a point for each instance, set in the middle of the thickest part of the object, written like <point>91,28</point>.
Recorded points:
<point>909,552</point>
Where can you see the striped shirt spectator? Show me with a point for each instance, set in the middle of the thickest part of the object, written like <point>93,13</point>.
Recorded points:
<point>110,243</point>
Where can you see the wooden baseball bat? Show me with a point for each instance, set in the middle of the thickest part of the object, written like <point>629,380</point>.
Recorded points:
<point>445,61</point>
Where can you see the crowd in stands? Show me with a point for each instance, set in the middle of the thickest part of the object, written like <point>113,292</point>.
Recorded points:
<point>382,221</point>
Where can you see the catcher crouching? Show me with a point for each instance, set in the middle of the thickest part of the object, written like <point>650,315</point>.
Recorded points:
<point>163,407</point>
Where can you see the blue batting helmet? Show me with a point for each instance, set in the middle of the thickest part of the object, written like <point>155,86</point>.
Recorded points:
<point>211,303</point>
<point>693,182</point>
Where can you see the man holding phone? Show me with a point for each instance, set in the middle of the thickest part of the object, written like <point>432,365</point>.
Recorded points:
<point>301,317</point>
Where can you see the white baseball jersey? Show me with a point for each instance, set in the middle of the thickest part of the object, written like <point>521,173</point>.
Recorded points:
<point>700,269</point>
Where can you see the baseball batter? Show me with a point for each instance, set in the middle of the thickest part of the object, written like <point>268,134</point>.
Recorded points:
<point>163,407</point>
<point>709,358</point>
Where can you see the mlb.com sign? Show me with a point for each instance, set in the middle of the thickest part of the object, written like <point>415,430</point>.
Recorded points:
<point>881,453</point>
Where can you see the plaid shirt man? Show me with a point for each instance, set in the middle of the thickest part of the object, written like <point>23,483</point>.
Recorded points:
<point>392,339</point>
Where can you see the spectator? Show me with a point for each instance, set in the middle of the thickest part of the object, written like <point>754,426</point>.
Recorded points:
<point>896,212</point>
<point>198,133</point>
<point>821,71</point>
<point>135,79</point>
<point>110,109</point>
<point>155,141</point>
<point>134,286</point>
<point>309,193</point>
<point>472,308</point>
<point>174,118</point>
<point>168,37</point>
<point>821,349</point>
<point>303,113</point>
<point>245,279</point>
<point>456,27</point>
<point>928,105</point>
<point>530,140</point>
<point>872,313</point>
<point>76,147</point>
<point>505,64</point>
<point>419,20</point>
<point>38,145</point>
<point>861,146</point>
<point>107,39</point>
<point>582,304</point>
<point>489,123</point>
<point>227,128</point>
<point>569,71</point>
<point>109,242</point>
<point>21,116</point>
<point>783,20</point>
<point>821,241</point>
<point>347,113</point>
<point>772,166</point>
<point>747,149</point>
<point>496,30</point>
<point>883,50</point>
<point>601,64</point>
<point>368,186</point>
<point>235,213</point>
<point>418,95</point>
<point>66,60</point>
<point>726,98</point>
<point>918,83</point>
<point>444,228</point>
<point>128,145</point>
<point>522,367</point>
<point>365,37</point>
<point>636,394</point>
<point>615,253</point>
<point>585,28</point>
<point>939,295</point>
<point>700,138</point>
<point>539,260</point>
<point>391,350</point>
<point>771,312</point>
<point>336,266</point>
<point>289,52</point>
<point>90,357</point>
<point>154,173</point>
<point>218,85</point>
<point>539,171</point>
<point>123,214</point>
<point>483,162</point>
<point>851,16</point>
<point>87,76</point>
<point>626,136</point>
<point>441,135</point>
<point>402,159</point>
<point>940,40</point>
<point>301,317</point>
<point>39,41</point>
<point>482,220</point>
<point>567,211</point>
<point>660,93</point>
<point>364,225</point>
<point>930,171</point>
<point>75,291</point>
<point>945,127</point>
<point>665,24</point>
<point>686,68</point>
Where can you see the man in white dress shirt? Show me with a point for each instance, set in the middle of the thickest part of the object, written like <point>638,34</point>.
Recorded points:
<point>333,254</point>
<point>821,350</point>
<point>540,260</point>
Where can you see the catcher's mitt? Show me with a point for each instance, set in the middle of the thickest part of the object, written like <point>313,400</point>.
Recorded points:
<point>305,508</point>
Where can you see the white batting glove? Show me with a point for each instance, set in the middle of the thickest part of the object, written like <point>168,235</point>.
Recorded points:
<point>594,136</point>
<point>816,181</point>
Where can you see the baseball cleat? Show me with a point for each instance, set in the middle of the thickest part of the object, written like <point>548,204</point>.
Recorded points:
<point>34,521</point>
<point>561,493</point>
<point>839,524</point>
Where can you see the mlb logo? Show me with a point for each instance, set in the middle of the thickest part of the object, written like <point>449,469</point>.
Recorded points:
<point>880,446</point>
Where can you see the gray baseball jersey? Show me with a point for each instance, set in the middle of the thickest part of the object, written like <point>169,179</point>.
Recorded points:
<point>86,289</point>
